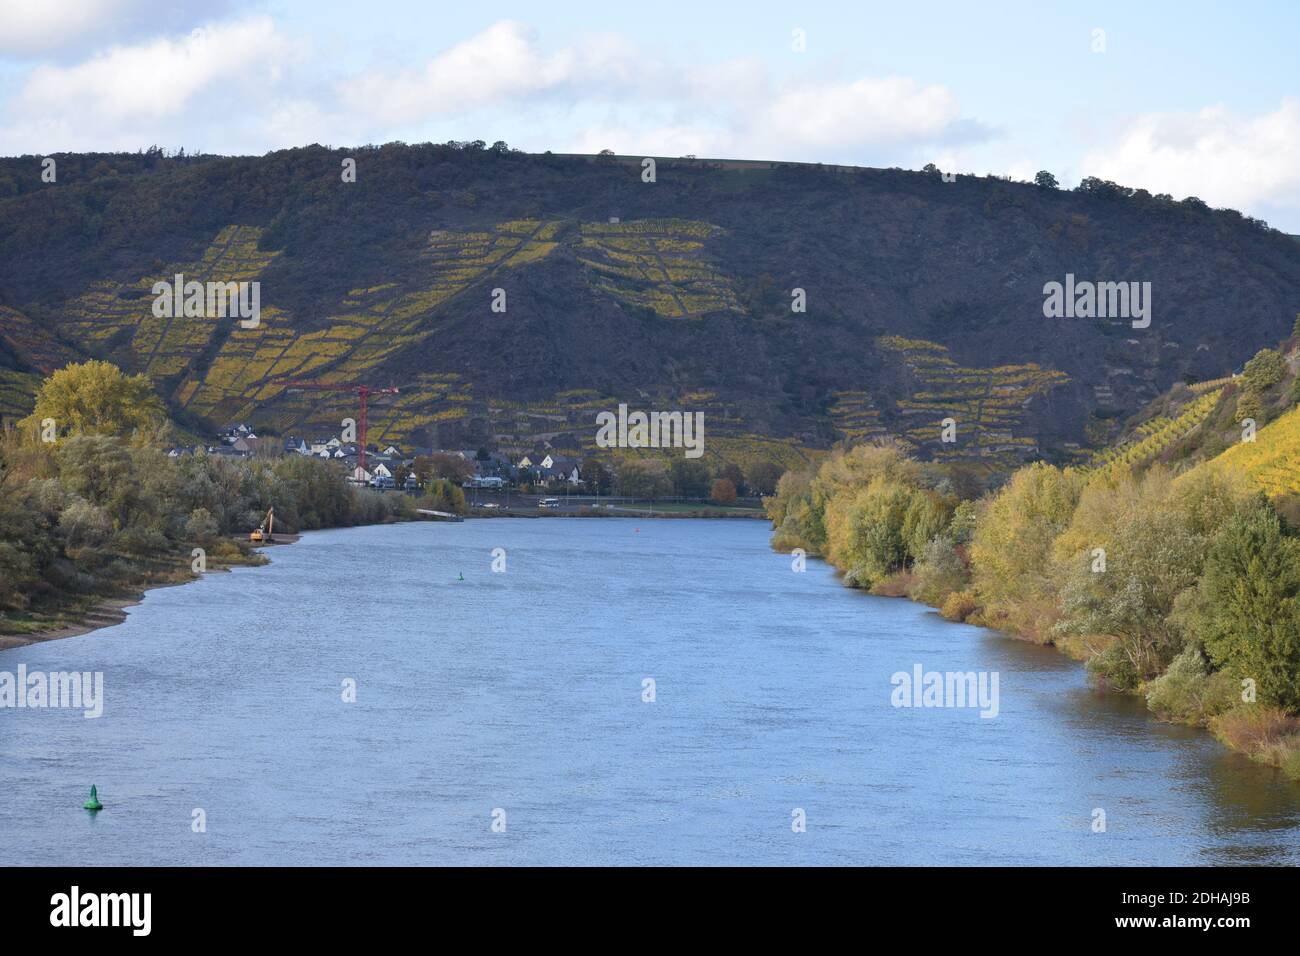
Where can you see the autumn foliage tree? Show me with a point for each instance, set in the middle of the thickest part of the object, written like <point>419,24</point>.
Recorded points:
<point>95,398</point>
<point>1011,549</point>
<point>442,464</point>
<point>724,491</point>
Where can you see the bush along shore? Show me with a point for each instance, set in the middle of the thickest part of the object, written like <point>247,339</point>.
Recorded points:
<point>1183,589</point>
<point>93,511</point>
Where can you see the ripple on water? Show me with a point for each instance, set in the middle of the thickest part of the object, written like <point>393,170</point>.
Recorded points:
<point>523,692</point>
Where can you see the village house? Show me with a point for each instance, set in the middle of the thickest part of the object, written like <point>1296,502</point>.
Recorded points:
<point>551,469</point>
<point>494,464</point>
<point>226,451</point>
<point>233,433</point>
<point>324,447</point>
<point>554,468</point>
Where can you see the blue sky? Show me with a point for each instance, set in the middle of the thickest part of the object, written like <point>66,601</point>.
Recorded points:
<point>1186,98</point>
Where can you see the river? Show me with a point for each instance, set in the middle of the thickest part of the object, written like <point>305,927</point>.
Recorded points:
<point>502,719</point>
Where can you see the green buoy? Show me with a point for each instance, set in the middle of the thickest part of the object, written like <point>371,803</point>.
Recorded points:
<point>461,578</point>
<point>93,803</point>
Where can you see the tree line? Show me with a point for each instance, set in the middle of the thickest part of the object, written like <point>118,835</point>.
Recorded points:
<point>1184,589</point>
<point>91,504</point>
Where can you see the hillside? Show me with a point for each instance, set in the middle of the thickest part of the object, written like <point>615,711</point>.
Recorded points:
<point>1271,462</point>
<point>924,297</point>
<point>1198,428</point>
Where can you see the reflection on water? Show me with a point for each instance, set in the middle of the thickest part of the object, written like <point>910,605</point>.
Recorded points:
<point>523,692</point>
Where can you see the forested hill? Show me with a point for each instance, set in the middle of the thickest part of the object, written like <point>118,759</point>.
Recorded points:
<point>924,297</point>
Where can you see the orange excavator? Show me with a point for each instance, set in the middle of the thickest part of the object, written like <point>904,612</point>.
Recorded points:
<point>265,533</point>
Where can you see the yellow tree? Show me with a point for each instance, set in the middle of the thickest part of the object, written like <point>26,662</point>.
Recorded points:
<point>95,398</point>
<point>1012,548</point>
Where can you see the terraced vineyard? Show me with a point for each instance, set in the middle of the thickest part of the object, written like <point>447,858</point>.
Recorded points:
<point>1200,388</point>
<point>32,343</point>
<point>856,418</point>
<point>657,264</point>
<point>567,425</point>
<point>1271,461</point>
<point>117,321</point>
<point>37,349</point>
<point>17,393</point>
<point>223,373</point>
<point>1154,436</point>
<point>247,379</point>
<point>987,404</point>
<point>745,449</point>
<point>637,293</point>
<point>431,399</point>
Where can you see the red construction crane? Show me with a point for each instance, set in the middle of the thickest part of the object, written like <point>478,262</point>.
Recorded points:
<point>365,391</point>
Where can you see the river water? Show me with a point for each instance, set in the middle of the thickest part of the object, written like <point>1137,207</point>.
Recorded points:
<point>502,719</point>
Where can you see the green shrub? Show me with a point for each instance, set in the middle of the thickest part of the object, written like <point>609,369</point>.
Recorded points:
<point>962,527</point>
<point>939,572</point>
<point>1188,693</point>
<point>1265,370</point>
<point>1248,612</point>
<point>1114,668</point>
<point>1249,406</point>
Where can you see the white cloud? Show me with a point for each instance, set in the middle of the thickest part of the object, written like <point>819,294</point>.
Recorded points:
<point>222,91</point>
<point>33,26</point>
<point>215,88</point>
<point>826,121</point>
<point>869,111</point>
<point>154,80</point>
<point>502,64</point>
<point>125,74</point>
<point>730,108</point>
<point>1235,161</point>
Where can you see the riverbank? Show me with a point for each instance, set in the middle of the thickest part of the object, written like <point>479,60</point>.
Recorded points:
<point>105,613</point>
<point>241,678</point>
<point>89,613</point>
<point>1267,735</point>
<point>1139,574</point>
